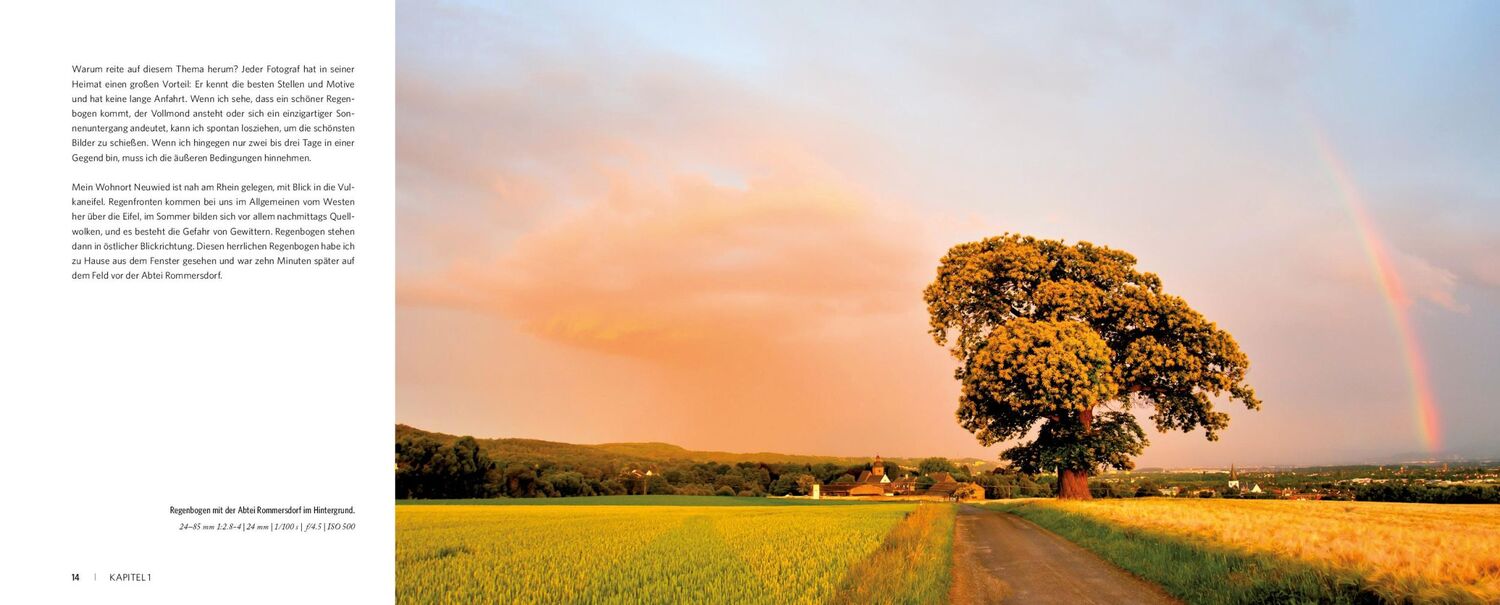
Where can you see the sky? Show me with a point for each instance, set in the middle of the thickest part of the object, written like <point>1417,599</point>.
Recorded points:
<point>710,224</point>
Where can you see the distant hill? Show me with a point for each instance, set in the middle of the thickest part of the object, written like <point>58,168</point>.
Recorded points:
<point>513,449</point>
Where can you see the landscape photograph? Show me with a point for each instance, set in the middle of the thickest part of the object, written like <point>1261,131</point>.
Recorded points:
<point>926,303</point>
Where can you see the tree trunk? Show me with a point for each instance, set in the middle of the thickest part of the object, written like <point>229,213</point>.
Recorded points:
<point>1073,484</point>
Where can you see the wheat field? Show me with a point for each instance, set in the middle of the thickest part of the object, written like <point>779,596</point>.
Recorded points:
<point>1441,553</point>
<point>633,554</point>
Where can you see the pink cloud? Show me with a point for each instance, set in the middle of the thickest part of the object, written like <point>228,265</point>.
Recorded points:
<point>1426,281</point>
<point>657,267</point>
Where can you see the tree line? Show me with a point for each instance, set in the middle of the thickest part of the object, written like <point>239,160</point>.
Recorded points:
<point>1404,491</point>
<point>428,468</point>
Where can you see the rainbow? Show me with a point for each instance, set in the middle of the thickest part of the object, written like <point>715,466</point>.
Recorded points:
<point>1396,299</point>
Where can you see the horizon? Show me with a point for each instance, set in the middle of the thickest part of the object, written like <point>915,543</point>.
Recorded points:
<point>713,229</point>
<point>1473,457</point>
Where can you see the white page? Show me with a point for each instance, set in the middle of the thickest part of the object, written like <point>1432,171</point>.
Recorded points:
<point>269,387</point>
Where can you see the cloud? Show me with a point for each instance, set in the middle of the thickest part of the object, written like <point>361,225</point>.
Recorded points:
<point>1444,243</point>
<point>638,204</point>
<point>1423,280</point>
<point>669,266</point>
<point>1336,253</point>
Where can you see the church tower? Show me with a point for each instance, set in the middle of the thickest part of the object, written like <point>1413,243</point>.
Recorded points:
<point>877,470</point>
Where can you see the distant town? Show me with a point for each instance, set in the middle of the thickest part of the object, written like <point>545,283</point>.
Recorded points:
<point>1474,481</point>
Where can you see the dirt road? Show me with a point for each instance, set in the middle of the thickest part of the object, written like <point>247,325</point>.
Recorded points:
<point>1001,558</point>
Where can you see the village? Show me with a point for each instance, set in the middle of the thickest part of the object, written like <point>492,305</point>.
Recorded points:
<point>1427,481</point>
<point>877,482</point>
<point>1430,482</point>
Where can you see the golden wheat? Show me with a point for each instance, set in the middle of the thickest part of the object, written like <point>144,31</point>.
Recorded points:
<point>1423,552</point>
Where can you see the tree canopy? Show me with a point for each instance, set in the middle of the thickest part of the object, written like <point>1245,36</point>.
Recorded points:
<point>428,469</point>
<point>1049,333</point>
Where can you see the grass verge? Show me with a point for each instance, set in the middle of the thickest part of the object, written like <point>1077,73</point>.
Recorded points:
<point>1201,573</point>
<point>914,566</point>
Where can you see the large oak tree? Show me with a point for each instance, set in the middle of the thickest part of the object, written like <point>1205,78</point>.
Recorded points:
<point>1072,338</point>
